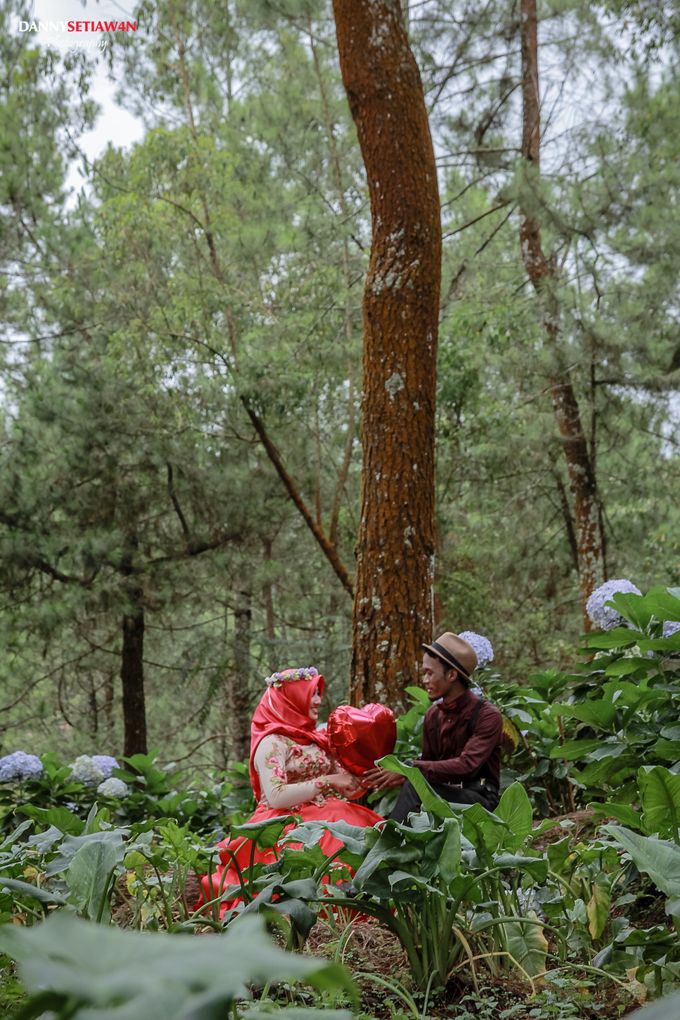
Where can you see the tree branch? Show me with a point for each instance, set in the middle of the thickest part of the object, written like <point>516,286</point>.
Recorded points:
<point>329,550</point>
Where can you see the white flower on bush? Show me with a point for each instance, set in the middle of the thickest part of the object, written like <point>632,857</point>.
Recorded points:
<point>20,765</point>
<point>91,770</point>
<point>481,645</point>
<point>113,788</point>
<point>606,617</point>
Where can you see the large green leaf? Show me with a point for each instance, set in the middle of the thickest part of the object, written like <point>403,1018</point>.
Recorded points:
<point>290,899</point>
<point>662,603</point>
<point>663,1009</point>
<point>431,801</point>
<point>668,750</point>
<point>88,877</point>
<point>620,637</point>
<point>537,867</point>
<point>621,812</point>
<point>596,713</point>
<point>109,972</point>
<point>34,891</point>
<point>660,798</point>
<point>310,833</point>
<point>63,819</point>
<point>633,607</point>
<point>597,907</point>
<point>654,857</point>
<point>71,845</point>
<point>265,833</point>
<point>515,810</point>
<point>526,944</point>
<point>627,666</point>
<point>450,856</point>
<point>486,831</point>
<point>572,750</point>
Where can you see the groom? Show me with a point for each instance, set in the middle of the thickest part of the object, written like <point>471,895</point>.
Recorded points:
<point>461,735</point>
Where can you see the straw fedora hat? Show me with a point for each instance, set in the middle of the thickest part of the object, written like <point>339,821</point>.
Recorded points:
<point>455,653</point>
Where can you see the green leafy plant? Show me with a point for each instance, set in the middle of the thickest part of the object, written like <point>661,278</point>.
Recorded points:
<point>73,968</point>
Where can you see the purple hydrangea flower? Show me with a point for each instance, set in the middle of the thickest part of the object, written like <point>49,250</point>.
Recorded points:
<point>20,765</point>
<point>670,627</point>
<point>481,646</point>
<point>113,788</point>
<point>603,616</point>
<point>105,763</point>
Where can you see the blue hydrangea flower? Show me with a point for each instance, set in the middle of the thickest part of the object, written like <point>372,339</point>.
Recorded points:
<point>113,788</point>
<point>606,617</point>
<point>670,627</point>
<point>105,763</point>
<point>481,645</point>
<point>20,765</point>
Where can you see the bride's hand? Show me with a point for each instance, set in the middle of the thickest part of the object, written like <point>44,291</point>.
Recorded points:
<point>344,782</point>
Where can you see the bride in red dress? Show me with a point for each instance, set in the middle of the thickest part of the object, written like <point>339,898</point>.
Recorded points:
<point>292,771</point>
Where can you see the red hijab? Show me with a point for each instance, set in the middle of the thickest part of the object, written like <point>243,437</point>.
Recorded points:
<point>284,709</point>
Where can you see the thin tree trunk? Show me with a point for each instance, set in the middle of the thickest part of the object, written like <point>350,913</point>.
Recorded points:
<point>543,275</point>
<point>392,612</point>
<point>132,677</point>
<point>268,595</point>
<point>239,686</point>
<point>94,708</point>
<point>132,660</point>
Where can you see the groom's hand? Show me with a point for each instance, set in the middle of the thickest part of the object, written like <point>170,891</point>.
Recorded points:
<point>381,779</point>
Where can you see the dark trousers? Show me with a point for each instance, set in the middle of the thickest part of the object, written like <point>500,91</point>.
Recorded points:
<point>409,800</point>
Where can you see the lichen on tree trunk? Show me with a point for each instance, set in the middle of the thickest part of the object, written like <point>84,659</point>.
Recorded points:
<point>395,552</point>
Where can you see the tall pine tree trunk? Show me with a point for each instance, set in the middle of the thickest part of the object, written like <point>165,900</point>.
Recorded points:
<point>543,275</point>
<point>392,612</point>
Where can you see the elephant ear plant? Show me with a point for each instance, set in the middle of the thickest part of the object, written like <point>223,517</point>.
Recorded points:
<point>450,885</point>
<point>75,968</point>
<point>623,708</point>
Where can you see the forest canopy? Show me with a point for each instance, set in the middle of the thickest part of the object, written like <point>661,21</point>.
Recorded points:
<point>182,355</point>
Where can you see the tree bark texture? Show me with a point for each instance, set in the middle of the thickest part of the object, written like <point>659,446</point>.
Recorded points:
<point>132,677</point>
<point>543,275</point>
<point>392,611</point>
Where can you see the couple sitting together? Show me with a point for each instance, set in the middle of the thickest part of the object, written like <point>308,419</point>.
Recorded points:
<point>297,768</point>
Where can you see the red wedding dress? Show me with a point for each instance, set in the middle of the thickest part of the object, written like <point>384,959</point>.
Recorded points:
<point>290,763</point>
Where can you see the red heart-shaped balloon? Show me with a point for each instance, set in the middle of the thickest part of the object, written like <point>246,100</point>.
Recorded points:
<point>358,736</point>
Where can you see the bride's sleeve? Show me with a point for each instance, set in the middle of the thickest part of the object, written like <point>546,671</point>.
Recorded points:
<point>270,762</point>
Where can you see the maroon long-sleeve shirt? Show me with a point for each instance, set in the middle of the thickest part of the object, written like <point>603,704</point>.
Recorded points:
<point>448,755</point>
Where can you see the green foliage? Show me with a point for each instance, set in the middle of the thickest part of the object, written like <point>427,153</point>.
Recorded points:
<point>78,968</point>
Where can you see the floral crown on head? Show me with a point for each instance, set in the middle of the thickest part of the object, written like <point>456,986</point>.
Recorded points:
<point>288,675</point>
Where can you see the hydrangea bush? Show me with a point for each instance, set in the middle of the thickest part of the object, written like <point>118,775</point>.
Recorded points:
<point>113,788</point>
<point>481,645</point>
<point>20,765</point>
<point>602,615</point>
<point>91,770</point>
